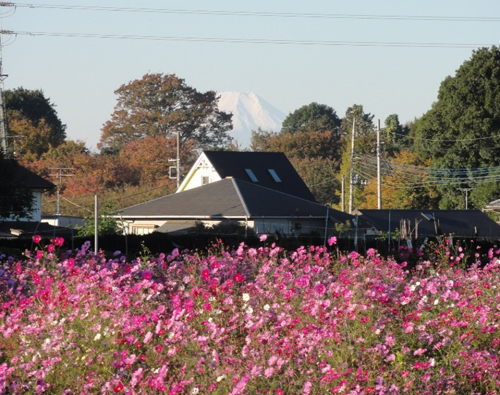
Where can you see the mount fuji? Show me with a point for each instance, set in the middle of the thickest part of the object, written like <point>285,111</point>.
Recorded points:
<point>249,113</point>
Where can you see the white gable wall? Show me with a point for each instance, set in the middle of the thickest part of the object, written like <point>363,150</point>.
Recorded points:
<point>201,173</point>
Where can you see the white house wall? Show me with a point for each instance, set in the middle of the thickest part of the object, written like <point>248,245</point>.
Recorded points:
<point>259,225</point>
<point>36,213</point>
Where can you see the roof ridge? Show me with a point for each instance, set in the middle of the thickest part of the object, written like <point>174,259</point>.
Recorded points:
<point>237,188</point>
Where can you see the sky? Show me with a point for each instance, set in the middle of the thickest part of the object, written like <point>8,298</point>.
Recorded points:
<point>80,74</point>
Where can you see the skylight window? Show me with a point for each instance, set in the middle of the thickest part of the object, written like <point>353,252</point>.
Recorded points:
<point>274,175</point>
<point>251,175</point>
<point>429,217</point>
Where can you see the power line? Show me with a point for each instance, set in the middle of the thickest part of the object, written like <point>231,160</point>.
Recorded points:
<point>248,40</point>
<point>443,140</point>
<point>400,176</point>
<point>258,13</point>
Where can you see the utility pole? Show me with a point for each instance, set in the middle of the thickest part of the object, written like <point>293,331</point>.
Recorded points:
<point>351,176</point>
<point>3,129</point>
<point>466,190</point>
<point>342,194</point>
<point>96,224</point>
<point>177,161</point>
<point>379,178</point>
<point>59,176</point>
<point>178,175</point>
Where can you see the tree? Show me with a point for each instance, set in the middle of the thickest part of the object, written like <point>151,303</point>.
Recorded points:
<point>313,117</point>
<point>462,129</point>
<point>162,105</point>
<point>394,135</point>
<point>150,157</point>
<point>107,225</point>
<point>16,200</point>
<point>32,122</point>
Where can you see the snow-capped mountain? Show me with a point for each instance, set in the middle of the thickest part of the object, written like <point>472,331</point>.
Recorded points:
<point>249,113</point>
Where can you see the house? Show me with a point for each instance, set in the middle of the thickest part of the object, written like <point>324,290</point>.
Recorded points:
<point>270,170</point>
<point>493,206</point>
<point>231,199</point>
<point>25,226</point>
<point>419,224</point>
<point>37,185</point>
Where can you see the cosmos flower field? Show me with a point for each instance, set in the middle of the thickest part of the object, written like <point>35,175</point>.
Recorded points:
<point>248,321</point>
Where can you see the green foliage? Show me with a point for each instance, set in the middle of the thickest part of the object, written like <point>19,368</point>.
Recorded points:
<point>33,122</point>
<point>16,200</point>
<point>162,105</point>
<point>107,224</point>
<point>394,135</point>
<point>462,130</point>
<point>313,117</point>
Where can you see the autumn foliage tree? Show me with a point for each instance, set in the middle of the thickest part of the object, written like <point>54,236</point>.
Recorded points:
<point>164,105</point>
<point>150,157</point>
<point>32,123</point>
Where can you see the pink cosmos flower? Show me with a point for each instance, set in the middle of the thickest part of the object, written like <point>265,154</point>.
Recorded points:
<point>320,289</point>
<point>238,278</point>
<point>332,240</point>
<point>58,241</point>
<point>37,238</point>
<point>263,237</point>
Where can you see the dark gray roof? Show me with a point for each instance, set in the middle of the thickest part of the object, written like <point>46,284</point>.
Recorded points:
<point>234,198</point>
<point>461,223</point>
<point>233,164</point>
<point>27,229</point>
<point>29,179</point>
<point>217,199</point>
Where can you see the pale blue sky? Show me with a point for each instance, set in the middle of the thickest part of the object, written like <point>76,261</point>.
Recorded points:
<point>79,75</point>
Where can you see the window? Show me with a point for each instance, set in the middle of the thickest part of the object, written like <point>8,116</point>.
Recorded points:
<point>251,175</point>
<point>274,175</point>
<point>428,217</point>
<point>205,180</point>
<point>142,229</point>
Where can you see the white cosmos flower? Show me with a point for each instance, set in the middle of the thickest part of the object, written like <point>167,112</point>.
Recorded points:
<point>245,297</point>
<point>267,307</point>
